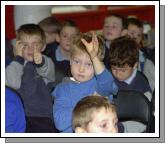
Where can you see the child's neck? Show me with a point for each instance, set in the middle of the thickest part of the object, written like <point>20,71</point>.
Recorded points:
<point>107,43</point>
<point>65,53</point>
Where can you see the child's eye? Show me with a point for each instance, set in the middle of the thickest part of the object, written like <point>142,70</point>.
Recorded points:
<point>88,65</point>
<point>25,45</point>
<point>103,125</point>
<point>114,26</point>
<point>123,70</point>
<point>76,61</point>
<point>65,36</point>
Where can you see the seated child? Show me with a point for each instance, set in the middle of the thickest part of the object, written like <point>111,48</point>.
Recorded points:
<point>60,53</point>
<point>95,114</point>
<point>15,121</point>
<point>89,77</point>
<point>135,30</point>
<point>113,28</point>
<point>124,57</point>
<point>29,73</point>
<point>51,26</point>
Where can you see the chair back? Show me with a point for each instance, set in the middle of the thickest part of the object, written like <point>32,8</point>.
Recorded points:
<point>133,105</point>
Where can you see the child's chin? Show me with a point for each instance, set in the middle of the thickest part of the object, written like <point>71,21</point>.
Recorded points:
<point>29,59</point>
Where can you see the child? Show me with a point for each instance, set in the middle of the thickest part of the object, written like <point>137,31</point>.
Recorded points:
<point>15,121</point>
<point>61,53</point>
<point>95,114</point>
<point>124,57</point>
<point>89,77</point>
<point>135,30</point>
<point>113,28</point>
<point>51,27</point>
<point>29,73</point>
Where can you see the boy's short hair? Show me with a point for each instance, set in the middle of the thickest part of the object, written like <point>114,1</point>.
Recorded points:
<point>31,29</point>
<point>121,17</point>
<point>77,44</point>
<point>82,113</point>
<point>50,25</point>
<point>123,51</point>
<point>69,23</point>
<point>133,21</point>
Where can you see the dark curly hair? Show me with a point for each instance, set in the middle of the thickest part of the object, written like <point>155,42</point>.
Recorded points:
<point>123,51</point>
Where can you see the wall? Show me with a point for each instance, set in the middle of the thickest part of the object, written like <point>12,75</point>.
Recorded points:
<point>90,20</point>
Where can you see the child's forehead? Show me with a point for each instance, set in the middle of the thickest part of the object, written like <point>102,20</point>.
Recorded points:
<point>34,37</point>
<point>134,26</point>
<point>113,19</point>
<point>68,28</point>
<point>81,54</point>
<point>102,114</point>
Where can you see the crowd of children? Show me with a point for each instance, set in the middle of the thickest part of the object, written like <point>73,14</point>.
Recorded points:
<point>62,75</point>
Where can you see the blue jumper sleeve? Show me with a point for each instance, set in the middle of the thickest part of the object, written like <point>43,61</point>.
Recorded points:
<point>62,109</point>
<point>106,84</point>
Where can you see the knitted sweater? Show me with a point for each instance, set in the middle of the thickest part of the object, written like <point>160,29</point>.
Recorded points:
<point>14,113</point>
<point>67,95</point>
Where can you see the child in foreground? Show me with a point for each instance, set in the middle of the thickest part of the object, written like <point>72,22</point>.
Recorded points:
<point>89,77</point>
<point>95,114</point>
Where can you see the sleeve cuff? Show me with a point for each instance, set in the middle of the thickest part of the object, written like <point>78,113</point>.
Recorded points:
<point>105,75</point>
<point>19,59</point>
<point>43,61</point>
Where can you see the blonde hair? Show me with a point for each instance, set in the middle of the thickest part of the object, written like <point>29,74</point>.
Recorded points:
<point>82,113</point>
<point>77,44</point>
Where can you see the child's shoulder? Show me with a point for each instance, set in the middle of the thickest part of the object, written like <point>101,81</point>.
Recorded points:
<point>65,82</point>
<point>140,77</point>
<point>63,87</point>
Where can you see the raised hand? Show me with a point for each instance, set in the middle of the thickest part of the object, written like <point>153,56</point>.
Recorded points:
<point>37,55</point>
<point>18,49</point>
<point>92,47</point>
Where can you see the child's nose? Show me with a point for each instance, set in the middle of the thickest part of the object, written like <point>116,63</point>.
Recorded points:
<point>81,68</point>
<point>115,130</point>
<point>30,48</point>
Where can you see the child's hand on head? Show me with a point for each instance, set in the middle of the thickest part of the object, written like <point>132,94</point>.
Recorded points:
<point>18,49</point>
<point>92,47</point>
<point>37,55</point>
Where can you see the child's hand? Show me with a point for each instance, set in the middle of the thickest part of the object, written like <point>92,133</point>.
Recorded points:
<point>18,49</point>
<point>92,47</point>
<point>37,55</point>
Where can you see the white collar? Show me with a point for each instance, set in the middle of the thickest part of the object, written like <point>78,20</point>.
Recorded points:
<point>130,79</point>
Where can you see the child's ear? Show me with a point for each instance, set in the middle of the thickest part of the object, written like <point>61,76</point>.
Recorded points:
<point>79,130</point>
<point>135,66</point>
<point>57,38</point>
<point>43,48</point>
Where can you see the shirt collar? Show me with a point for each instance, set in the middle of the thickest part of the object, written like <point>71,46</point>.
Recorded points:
<point>59,56</point>
<point>130,79</point>
<point>141,56</point>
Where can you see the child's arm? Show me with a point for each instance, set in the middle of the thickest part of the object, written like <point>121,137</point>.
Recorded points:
<point>105,81</point>
<point>62,109</point>
<point>14,70</point>
<point>45,66</point>
<point>92,49</point>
